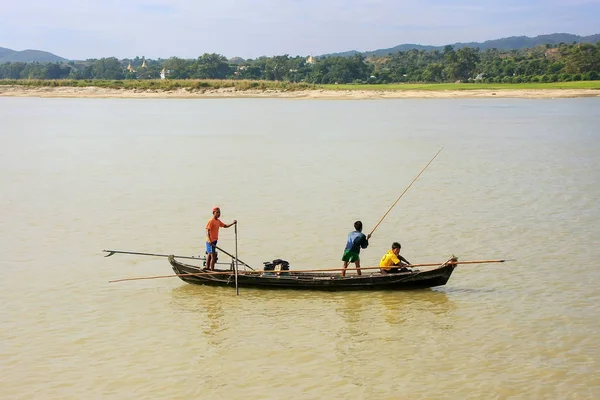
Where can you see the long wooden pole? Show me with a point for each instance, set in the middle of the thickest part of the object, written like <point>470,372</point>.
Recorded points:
<point>305,271</point>
<point>111,252</point>
<point>405,190</point>
<point>170,276</point>
<point>233,257</point>
<point>410,266</point>
<point>237,290</point>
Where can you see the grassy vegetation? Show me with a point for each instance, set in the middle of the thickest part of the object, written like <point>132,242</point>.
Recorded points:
<point>164,85</point>
<point>468,86</point>
<point>193,85</point>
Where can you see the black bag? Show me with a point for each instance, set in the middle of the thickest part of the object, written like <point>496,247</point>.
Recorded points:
<point>276,265</point>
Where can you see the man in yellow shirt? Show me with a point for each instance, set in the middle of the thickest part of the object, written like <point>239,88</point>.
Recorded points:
<point>392,261</point>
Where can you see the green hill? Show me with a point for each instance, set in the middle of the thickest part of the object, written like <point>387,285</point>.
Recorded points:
<point>5,52</point>
<point>509,43</point>
<point>8,55</point>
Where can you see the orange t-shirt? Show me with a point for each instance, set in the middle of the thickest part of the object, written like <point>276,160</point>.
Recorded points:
<point>212,226</point>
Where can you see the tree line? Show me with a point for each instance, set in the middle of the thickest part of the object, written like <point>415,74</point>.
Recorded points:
<point>549,63</point>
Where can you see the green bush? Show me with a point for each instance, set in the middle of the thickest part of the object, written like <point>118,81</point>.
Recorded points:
<point>565,77</point>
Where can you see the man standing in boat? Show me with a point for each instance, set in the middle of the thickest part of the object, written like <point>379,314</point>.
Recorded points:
<point>392,261</point>
<point>212,235</point>
<point>356,241</point>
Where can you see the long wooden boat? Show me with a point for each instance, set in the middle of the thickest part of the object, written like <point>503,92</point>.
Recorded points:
<point>416,279</point>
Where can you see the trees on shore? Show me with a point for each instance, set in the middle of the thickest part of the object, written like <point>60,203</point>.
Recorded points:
<point>550,63</point>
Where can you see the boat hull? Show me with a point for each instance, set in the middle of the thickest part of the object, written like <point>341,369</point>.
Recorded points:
<point>316,281</point>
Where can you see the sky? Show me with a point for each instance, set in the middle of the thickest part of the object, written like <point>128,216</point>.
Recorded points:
<point>82,29</point>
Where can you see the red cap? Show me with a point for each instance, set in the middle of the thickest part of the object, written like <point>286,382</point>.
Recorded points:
<point>215,209</point>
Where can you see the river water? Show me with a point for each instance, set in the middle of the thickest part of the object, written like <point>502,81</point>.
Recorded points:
<point>516,179</point>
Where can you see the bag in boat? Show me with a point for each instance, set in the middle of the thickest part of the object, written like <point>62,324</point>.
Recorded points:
<point>275,266</point>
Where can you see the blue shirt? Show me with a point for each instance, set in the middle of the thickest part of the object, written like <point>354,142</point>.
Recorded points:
<point>356,241</point>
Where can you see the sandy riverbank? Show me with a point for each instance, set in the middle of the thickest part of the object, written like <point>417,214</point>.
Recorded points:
<point>98,92</point>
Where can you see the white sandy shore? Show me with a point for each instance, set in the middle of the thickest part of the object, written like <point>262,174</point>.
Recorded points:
<point>97,92</point>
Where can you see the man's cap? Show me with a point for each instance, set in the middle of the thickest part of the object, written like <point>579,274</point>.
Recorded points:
<point>215,209</point>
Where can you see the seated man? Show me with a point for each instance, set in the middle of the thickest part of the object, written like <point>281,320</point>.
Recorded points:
<point>393,262</point>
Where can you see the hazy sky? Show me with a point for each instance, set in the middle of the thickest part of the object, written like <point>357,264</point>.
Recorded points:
<point>80,29</point>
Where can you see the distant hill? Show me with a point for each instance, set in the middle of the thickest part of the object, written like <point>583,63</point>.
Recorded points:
<point>509,43</point>
<point>5,52</point>
<point>8,55</point>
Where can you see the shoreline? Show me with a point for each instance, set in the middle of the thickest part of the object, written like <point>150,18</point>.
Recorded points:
<point>311,94</point>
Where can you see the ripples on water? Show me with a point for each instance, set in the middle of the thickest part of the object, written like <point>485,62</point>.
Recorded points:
<point>516,179</point>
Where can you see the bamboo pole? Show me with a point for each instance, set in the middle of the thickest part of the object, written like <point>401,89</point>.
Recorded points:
<point>171,276</point>
<point>137,253</point>
<point>233,257</point>
<point>306,271</point>
<point>237,290</point>
<point>111,252</point>
<point>405,190</point>
<point>410,266</point>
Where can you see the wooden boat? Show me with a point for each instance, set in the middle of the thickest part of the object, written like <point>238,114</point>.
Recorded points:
<point>416,279</point>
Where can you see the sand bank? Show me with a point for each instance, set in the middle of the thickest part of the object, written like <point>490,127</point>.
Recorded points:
<point>98,92</point>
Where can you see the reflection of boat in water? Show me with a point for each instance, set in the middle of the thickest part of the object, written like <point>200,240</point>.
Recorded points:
<point>415,305</point>
<point>207,311</point>
<point>433,301</point>
<point>388,326</point>
<point>395,307</point>
<point>286,279</point>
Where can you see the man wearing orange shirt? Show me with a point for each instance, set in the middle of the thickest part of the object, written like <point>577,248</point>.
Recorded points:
<point>212,235</point>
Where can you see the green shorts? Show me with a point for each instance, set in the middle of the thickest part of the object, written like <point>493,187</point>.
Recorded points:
<point>350,256</point>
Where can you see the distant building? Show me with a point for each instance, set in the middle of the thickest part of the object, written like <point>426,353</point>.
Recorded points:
<point>552,54</point>
<point>163,73</point>
<point>144,63</point>
<point>310,60</point>
<point>130,68</point>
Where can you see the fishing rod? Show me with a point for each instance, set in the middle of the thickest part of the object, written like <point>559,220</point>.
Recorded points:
<point>405,190</point>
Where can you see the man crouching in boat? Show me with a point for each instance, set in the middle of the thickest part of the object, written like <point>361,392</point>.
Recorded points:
<point>212,235</point>
<point>356,241</point>
<point>393,262</point>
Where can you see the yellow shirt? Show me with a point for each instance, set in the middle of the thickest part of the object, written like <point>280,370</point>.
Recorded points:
<point>389,260</point>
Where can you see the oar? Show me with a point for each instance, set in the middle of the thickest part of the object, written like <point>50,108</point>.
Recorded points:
<point>405,190</point>
<point>233,257</point>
